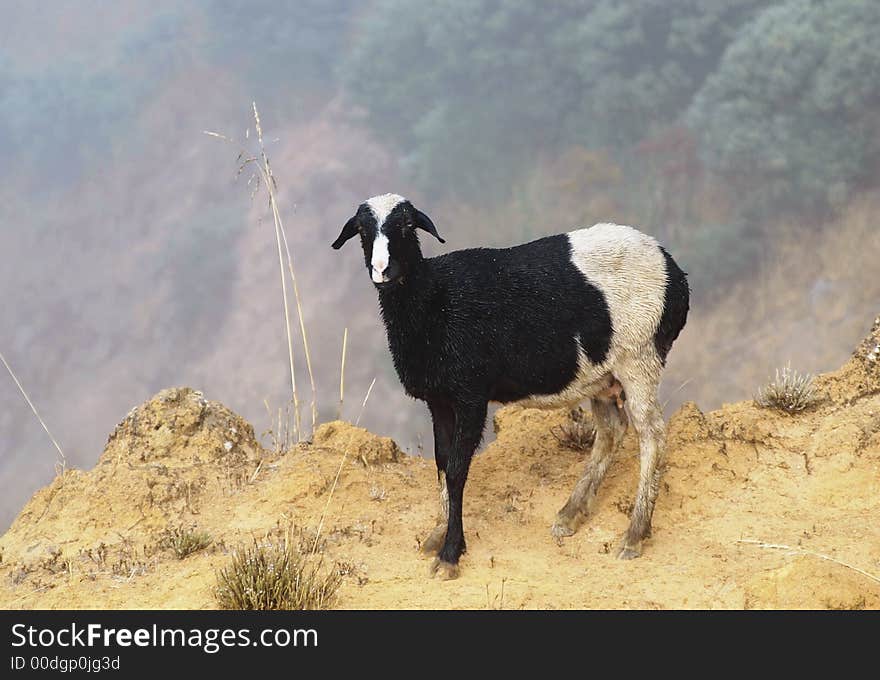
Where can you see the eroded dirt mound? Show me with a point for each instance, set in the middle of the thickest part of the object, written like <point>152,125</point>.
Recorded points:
<point>180,427</point>
<point>860,376</point>
<point>162,463</point>
<point>758,508</point>
<point>360,443</point>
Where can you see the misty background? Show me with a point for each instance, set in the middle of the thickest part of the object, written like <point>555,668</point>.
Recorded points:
<point>743,134</point>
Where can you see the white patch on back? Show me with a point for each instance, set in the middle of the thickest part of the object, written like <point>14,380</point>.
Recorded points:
<point>630,270</point>
<point>381,207</point>
<point>380,258</point>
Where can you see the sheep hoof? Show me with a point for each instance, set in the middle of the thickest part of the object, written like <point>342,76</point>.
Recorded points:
<point>434,541</point>
<point>566,525</point>
<point>561,529</point>
<point>445,571</point>
<point>629,552</point>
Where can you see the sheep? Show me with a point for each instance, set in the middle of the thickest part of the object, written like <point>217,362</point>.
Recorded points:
<point>591,314</point>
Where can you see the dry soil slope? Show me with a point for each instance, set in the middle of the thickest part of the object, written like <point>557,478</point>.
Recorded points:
<point>735,475</point>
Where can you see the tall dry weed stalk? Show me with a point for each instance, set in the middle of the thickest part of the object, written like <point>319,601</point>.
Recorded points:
<point>339,471</point>
<point>61,463</point>
<point>265,177</point>
<point>342,375</point>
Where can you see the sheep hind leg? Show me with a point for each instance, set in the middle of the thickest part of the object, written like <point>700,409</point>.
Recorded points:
<point>610,422</point>
<point>648,421</point>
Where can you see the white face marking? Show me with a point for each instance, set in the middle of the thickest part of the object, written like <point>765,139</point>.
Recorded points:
<point>380,258</point>
<point>381,207</point>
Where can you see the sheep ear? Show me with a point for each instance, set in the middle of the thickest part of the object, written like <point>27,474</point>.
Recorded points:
<point>422,221</point>
<point>349,230</point>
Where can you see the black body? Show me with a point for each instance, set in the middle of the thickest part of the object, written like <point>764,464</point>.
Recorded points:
<point>507,316</point>
<point>676,301</point>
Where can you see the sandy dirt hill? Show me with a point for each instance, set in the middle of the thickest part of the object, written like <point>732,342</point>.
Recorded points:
<point>740,481</point>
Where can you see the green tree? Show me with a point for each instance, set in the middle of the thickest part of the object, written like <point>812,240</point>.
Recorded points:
<point>791,113</point>
<point>640,62</point>
<point>472,89</point>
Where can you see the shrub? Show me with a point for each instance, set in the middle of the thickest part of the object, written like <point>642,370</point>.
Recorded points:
<point>576,433</point>
<point>275,575</point>
<point>789,391</point>
<point>184,541</point>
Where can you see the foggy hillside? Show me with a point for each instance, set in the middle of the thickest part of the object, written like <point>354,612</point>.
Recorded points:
<point>743,134</point>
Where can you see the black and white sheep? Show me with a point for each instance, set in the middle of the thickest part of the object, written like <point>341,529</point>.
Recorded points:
<point>583,315</point>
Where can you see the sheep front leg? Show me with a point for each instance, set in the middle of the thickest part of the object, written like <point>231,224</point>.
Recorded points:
<point>443,419</point>
<point>468,431</point>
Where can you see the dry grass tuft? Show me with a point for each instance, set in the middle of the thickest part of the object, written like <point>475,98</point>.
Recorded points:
<point>578,433</point>
<point>279,437</point>
<point>185,541</point>
<point>274,575</point>
<point>789,391</point>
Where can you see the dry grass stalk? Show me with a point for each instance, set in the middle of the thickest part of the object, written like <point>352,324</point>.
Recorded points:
<point>364,404</point>
<point>271,186</point>
<point>490,604</point>
<point>256,472</point>
<point>302,328</point>
<point>60,465</point>
<point>269,181</point>
<point>800,551</point>
<point>265,176</point>
<point>280,425</point>
<point>674,392</point>
<point>279,430</point>
<point>339,471</point>
<point>342,375</point>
